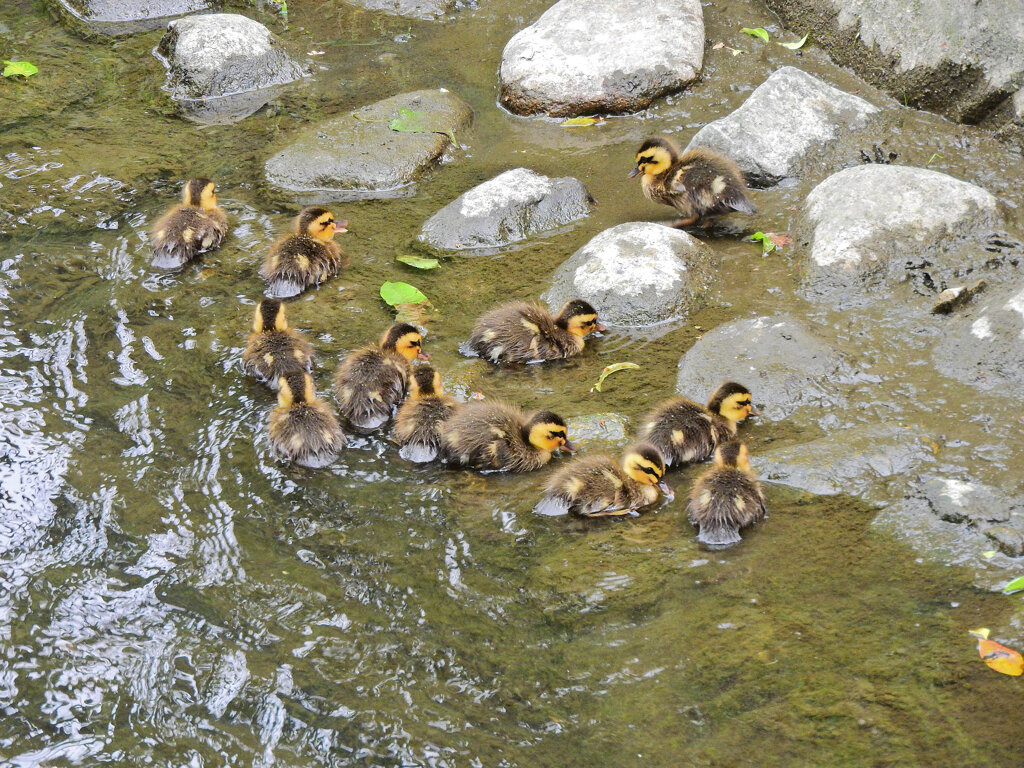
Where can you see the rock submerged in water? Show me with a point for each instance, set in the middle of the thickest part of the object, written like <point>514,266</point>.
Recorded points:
<point>125,17</point>
<point>224,66</point>
<point>873,226</point>
<point>637,275</point>
<point>358,156</point>
<point>788,118</point>
<point>425,10</point>
<point>508,208</point>
<point>602,56</point>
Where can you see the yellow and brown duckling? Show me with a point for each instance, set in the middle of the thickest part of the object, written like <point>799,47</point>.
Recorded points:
<point>308,256</point>
<point>303,429</point>
<point>598,486</point>
<point>685,431</point>
<point>699,183</point>
<point>418,421</point>
<point>273,349</point>
<point>726,498</point>
<point>188,229</point>
<point>527,333</point>
<point>371,382</point>
<point>498,436</point>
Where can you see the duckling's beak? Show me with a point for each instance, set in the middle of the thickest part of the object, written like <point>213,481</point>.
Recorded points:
<point>665,489</point>
<point>421,355</point>
<point>341,227</point>
<point>753,411</point>
<point>600,327</point>
<point>569,446</point>
<point>635,172</point>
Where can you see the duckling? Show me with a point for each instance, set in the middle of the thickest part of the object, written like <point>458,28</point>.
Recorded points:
<point>698,184</point>
<point>726,497</point>
<point>490,435</point>
<point>685,431</point>
<point>306,257</point>
<point>273,349</point>
<point>527,333</point>
<point>418,421</point>
<point>302,427</point>
<point>195,226</point>
<point>597,486</point>
<point>371,382</point>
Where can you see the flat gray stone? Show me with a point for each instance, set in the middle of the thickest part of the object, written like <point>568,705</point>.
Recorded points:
<point>126,17</point>
<point>358,156</point>
<point>508,208</point>
<point>426,10</point>
<point>637,275</point>
<point>872,226</point>
<point>783,124</point>
<point>602,430</point>
<point>602,56</point>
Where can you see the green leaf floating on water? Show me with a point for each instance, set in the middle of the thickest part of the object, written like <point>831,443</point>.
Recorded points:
<point>1014,586</point>
<point>767,244</point>
<point>760,32</point>
<point>401,293</point>
<point>22,68</point>
<point>418,261</point>
<point>608,371</point>
<point>795,46</point>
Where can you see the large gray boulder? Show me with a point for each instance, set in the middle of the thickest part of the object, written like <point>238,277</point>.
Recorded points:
<point>508,208</point>
<point>876,225</point>
<point>124,17</point>
<point>224,66</point>
<point>358,156</point>
<point>426,10</point>
<point>783,125</point>
<point>637,275</point>
<point>606,56</point>
<point>785,365</point>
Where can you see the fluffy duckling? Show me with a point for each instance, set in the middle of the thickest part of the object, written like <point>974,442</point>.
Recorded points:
<point>698,184</point>
<point>726,497</point>
<point>308,256</point>
<point>489,435</point>
<point>195,226</point>
<point>685,431</point>
<point>273,349</point>
<point>418,421</point>
<point>371,382</point>
<point>302,427</point>
<point>527,333</point>
<point>597,486</point>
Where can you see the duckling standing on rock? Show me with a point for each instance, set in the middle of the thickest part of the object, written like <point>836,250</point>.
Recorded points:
<point>418,421</point>
<point>499,436</point>
<point>726,497</point>
<point>302,427</point>
<point>371,382</point>
<point>273,349</point>
<point>598,486</point>
<point>699,184</point>
<point>527,333</point>
<point>306,257</point>
<point>195,226</point>
<point>685,431</point>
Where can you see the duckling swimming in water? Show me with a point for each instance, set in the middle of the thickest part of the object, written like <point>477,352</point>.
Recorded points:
<point>193,227</point>
<point>498,436</point>
<point>371,382</point>
<point>598,486</point>
<point>418,421</point>
<point>726,497</point>
<point>273,349</point>
<point>685,431</point>
<point>302,427</point>
<point>527,333</point>
<point>308,256</point>
<point>699,184</point>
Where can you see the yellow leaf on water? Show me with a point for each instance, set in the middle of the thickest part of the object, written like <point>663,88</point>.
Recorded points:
<point>609,370</point>
<point>982,632</point>
<point>580,122</point>
<point>1000,658</point>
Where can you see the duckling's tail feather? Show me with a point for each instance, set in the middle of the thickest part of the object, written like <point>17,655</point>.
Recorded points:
<point>718,536</point>
<point>418,452</point>
<point>552,506</point>
<point>743,205</point>
<point>170,256</point>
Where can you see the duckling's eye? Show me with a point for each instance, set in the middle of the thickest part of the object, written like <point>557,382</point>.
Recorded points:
<point>645,160</point>
<point>553,435</point>
<point>649,471</point>
<point>328,223</point>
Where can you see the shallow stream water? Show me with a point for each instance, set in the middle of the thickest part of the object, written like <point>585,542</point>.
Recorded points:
<point>171,595</point>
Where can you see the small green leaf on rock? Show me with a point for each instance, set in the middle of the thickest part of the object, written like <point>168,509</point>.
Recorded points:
<point>989,554</point>
<point>401,293</point>
<point>767,244</point>
<point>608,371</point>
<point>795,46</point>
<point>410,121</point>
<point>19,68</point>
<point>580,122</point>
<point>1014,586</point>
<point>418,261</point>
<point>760,32</point>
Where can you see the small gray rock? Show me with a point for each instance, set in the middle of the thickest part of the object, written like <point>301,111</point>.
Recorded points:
<point>602,56</point>
<point>358,156</point>
<point>637,275</point>
<point>780,125</point>
<point>606,429</point>
<point>958,501</point>
<point>953,298</point>
<point>508,208</point>
<point>427,10</point>
<point>126,17</point>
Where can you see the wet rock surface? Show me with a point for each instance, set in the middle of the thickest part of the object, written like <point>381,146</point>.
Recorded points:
<point>125,17</point>
<point>873,226</point>
<point>358,156</point>
<point>508,208</point>
<point>599,431</point>
<point>602,56</point>
<point>784,125</point>
<point>637,275</point>
<point>427,10</point>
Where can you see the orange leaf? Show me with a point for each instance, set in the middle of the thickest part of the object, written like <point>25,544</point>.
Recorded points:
<point>1000,658</point>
